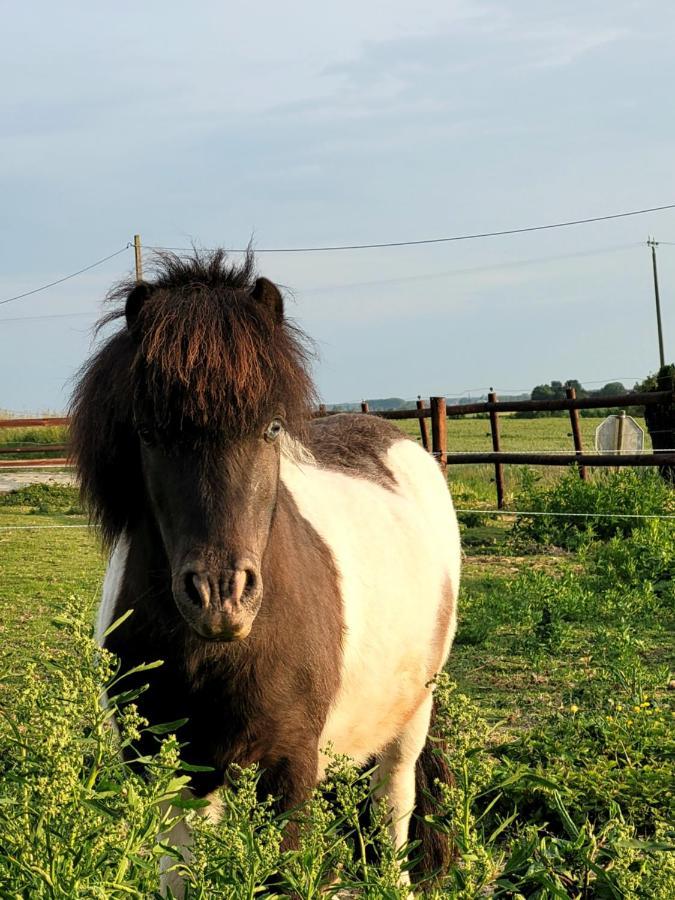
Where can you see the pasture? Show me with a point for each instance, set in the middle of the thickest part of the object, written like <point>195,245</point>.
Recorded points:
<point>556,706</point>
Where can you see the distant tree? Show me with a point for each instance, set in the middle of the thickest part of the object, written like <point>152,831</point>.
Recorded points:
<point>381,403</point>
<point>578,387</point>
<point>553,391</point>
<point>651,381</point>
<point>612,389</point>
<point>543,392</point>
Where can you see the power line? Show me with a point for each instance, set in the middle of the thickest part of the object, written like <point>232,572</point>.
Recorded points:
<point>543,260</point>
<point>379,245</point>
<point>70,315</point>
<point>442,240</point>
<point>66,277</point>
<point>473,270</point>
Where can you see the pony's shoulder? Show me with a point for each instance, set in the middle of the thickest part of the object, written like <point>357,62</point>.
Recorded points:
<point>355,444</point>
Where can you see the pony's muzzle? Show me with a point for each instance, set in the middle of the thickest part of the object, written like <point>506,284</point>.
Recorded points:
<point>218,606</point>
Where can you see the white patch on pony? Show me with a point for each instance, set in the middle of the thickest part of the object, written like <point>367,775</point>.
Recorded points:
<point>179,837</point>
<point>112,584</point>
<point>395,552</point>
<point>394,780</point>
<point>294,450</point>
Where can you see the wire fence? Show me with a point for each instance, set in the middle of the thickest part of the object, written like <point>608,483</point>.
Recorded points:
<point>479,511</point>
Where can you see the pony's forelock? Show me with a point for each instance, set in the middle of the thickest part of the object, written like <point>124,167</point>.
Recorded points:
<point>211,356</point>
<point>203,356</point>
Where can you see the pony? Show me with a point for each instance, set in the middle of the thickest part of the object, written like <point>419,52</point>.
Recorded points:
<point>297,576</point>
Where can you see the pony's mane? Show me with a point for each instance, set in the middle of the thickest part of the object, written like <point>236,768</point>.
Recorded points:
<point>203,356</point>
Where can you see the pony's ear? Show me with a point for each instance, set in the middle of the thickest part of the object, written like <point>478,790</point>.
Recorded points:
<point>135,300</point>
<point>267,293</point>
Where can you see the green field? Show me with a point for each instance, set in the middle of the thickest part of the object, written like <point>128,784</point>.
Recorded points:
<point>471,434</point>
<point>32,441</point>
<point>557,711</point>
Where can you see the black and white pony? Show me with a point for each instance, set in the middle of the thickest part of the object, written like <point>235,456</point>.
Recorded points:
<point>298,578</point>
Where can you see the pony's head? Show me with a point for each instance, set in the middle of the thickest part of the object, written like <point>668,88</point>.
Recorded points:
<point>178,422</point>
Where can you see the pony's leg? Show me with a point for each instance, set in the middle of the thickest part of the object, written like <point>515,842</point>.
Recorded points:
<point>394,780</point>
<point>292,780</point>
<point>179,836</point>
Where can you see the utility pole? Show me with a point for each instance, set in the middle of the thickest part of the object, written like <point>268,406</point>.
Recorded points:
<point>139,258</point>
<point>654,244</point>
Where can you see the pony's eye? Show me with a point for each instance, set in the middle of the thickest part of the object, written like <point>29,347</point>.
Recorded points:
<point>273,430</point>
<point>145,434</point>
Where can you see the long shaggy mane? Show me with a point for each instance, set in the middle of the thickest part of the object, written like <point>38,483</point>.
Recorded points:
<point>203,356</point>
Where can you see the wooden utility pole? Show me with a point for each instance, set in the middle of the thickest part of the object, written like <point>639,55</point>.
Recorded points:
<point>654,244</point>
<point>138,257</point>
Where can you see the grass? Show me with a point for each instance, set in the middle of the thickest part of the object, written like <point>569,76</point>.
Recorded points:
<point>555,704</point>
<point>36,437</point>
<point>471,434</point>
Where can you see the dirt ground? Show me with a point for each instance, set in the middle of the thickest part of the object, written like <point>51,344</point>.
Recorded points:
<point>10,481</point>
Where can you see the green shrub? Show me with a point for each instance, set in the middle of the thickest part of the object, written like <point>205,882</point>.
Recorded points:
<point>75,821</point>
<point>578,806</point>
<point>646,561</point>
<point>632,492</point>
<point>44,499</point>
<point>464,496</point>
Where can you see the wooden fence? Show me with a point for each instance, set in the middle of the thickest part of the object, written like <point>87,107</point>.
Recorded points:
<point>438,411</point>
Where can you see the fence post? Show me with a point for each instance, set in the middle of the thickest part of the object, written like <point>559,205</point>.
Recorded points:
<point>424,431</point>
<point>571,394</point>
<point>439,434</point>
<point>499,468</point>
<point>364,406</point>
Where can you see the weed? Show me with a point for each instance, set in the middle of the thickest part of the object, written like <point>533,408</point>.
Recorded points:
<point>44,499</point>
<point>629,492</point>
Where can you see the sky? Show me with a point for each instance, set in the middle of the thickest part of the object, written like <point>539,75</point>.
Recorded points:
<point>306,124</point>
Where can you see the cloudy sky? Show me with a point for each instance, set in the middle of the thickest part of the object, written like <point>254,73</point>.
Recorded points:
<point>304,123</point>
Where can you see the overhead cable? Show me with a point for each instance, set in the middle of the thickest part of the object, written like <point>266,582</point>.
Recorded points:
<point>65,277</point>
<point>444,240</point>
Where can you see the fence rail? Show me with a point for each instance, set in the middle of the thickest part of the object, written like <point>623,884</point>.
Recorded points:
<point>27,423</point>
<point>660,404</point>
<point>563,459</point>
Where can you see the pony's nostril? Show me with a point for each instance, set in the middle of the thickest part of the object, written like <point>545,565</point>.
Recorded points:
<point>242,583</point>
<point>196,588</point>
<point>251,582</point>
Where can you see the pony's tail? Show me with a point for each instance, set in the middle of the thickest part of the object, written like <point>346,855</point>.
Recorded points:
<point>434,851</point>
